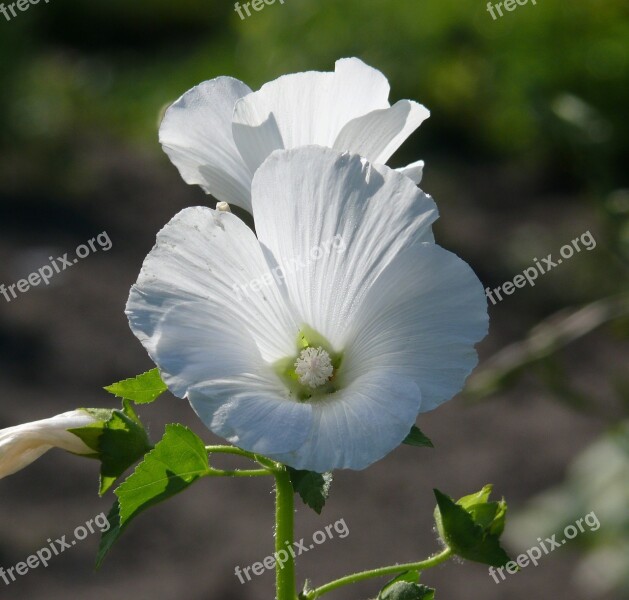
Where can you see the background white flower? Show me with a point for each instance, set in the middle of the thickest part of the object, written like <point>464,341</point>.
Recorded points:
<point>22,444</point>
<point>218,133</point>
<point>396,315</point>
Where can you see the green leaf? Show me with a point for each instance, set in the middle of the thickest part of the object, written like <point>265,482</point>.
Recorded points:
<point>408,576</point>
<point>109,537</point>
<point>119,441</point>
<point>487,514</point>
<point>178,460</point>
<point>314,488</point>
<point>417,438</point>
<point>475,540</point>
<point>455,525</point>
<point>406,590</point>
<point>142,389</point>
<point>477,498</point>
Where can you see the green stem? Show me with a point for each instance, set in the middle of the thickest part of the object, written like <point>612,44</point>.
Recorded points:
<point>261,460</point>
<point>382,571</point>
<point>284,535</point>
<point>238,473</point>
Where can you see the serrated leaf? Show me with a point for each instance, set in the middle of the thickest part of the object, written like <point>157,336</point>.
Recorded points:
<point>464,536</point>
<point>178,460</point>
<point>142,389</point>
<point>417,438</point>
<point>314,488</point>
<point>119,442</point>
<point>405,590</point>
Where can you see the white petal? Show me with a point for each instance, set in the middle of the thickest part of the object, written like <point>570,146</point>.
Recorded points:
<point>377,135</point>
<point>253,412</point>
<point>422,318</point>
<point>414,171</point>
<point>193,344</point>
<point>196,133</point>
<point>359,425</point>
<point>210,346</point>
<point>306,108</point>
<point>316,202</point>
<point>195,308</point>
<point>21,445</point>
<point>255,143</point>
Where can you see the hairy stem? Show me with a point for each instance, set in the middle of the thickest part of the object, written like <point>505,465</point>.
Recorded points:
<point>382,571</point>
<point>284,534</point>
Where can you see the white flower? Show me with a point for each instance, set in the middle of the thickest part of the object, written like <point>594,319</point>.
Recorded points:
<point>394,315</point>
<point>218,133</point>
<point>23,444</point>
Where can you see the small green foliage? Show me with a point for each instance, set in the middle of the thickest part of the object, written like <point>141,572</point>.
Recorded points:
<point>417,438</point>
<point>471,527</point>
<point>313,488</point>
<point>142,389</point>
<point>109,537</point>
<point>178,460</point>
<point>119,440</point>
<point>406,587</point>
<point>306,591</point>
<point>476,498</point>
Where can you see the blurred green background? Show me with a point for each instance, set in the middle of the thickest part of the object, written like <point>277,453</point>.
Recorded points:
<point>526,149</point>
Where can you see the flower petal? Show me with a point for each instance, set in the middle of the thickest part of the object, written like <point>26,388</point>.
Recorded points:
<point>196,133</point>
<point>332,223</point>
<point>195,308</point>
<point>23,444</point>
<point>377,135</point>
<point>255,143</point>
<point>358,425</point>
<point>307,108</point>
<point>422,318</point>
<point>414,171</point>
<point>253,412</point>
<point>193,344</point>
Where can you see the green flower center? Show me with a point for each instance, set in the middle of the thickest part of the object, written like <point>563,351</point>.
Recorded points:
<point>312,371</point>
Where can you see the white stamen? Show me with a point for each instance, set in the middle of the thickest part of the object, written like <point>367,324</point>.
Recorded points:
<point>314,367</point>
<point>223,207</point>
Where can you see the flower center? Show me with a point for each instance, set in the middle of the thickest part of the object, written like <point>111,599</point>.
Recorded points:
<point>312,372</point>
<point>314,367</point>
